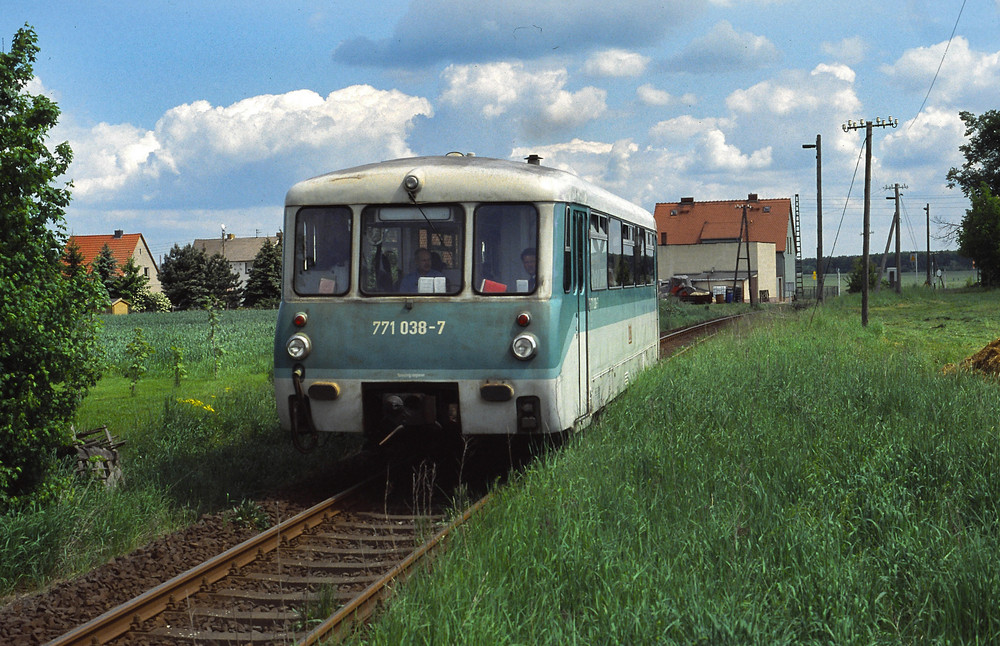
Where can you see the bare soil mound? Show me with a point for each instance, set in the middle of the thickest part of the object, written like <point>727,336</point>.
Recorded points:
<point>986,361</point>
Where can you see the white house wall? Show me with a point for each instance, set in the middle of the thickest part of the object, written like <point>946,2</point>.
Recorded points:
<point>718,257</point>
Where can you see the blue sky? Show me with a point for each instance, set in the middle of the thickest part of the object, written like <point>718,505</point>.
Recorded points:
<point>184,116</point>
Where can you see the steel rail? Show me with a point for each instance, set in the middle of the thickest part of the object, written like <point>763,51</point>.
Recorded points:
<point>363,606</point>
<point>704,325</point>
<point>119,620</point>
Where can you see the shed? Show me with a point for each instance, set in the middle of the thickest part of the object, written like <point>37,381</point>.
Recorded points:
<point>118,306</point>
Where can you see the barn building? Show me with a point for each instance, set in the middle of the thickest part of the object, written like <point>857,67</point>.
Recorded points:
<point>703,241</point>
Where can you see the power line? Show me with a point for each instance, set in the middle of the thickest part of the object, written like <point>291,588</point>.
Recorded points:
<point>950,38</point>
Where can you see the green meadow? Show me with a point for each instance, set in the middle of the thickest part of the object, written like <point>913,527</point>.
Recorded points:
<point>208,443</point>
<point>799,479</point>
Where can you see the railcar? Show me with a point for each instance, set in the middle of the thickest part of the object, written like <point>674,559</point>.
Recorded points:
<point>460,295</point>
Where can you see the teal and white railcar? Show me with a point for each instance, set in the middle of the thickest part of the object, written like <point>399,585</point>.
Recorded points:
<point>461,294</point>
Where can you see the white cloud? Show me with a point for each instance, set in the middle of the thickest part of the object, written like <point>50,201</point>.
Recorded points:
<point>849,50</point>
<point>616,62</point>
<point>966,75</point>
<point>684,127</point>
<point>107,156</point>
<point>199,141</point>
<point>842,72</point>
<point>605,164</point>
<point>650,95</point>
<point>827,88</point>
<point>931,139</point>
<point>537,100</point>
<point>725,156</point>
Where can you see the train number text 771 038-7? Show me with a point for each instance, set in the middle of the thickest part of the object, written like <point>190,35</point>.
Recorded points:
<point>382,328</point>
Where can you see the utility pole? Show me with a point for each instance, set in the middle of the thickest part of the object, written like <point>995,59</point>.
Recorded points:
<point>899,264</point>
<point>744,235</point>
<point>888,242</point>
<point>928,209</point>
<point>867,125</point>
<point>819,216</point>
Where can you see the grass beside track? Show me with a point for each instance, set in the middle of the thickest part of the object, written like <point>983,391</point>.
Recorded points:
<point>205,445</point>
<point>800,480</point>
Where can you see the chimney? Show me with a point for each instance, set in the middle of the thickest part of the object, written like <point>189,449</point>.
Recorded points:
<point>119,233</point>
<point>752,197</point>
<point>687,200</point>
<point>534,160</point>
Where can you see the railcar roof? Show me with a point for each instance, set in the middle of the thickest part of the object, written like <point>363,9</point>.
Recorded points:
<point>460,179</point>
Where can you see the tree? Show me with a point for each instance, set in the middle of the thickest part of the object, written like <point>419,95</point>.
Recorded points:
<point>105,268</point>
<point>979,178</point>
<point>263,289</point>
<point>982,154</point>
<point>222,283</point>
<point>979,235</point>
<point>50,353</point>
<point>182,275</point>
<point>855,283</point>
<point>132,284</point>
<point>73,260</point>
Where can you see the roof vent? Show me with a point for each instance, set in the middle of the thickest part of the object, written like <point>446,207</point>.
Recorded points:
<point>687,200</point>
<point>534,160</point>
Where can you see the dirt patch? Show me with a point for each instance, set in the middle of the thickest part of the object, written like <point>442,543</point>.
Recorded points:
<point>986,361</point>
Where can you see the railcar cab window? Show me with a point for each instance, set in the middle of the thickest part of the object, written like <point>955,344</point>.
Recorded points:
<point>322,251</point>
<point>598,251</point>
<point>506,249</point>
<point>411,249</point>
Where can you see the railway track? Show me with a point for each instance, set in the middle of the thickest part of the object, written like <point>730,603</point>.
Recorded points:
<point>673,341</point>
<point>315,574</point>
<point>286,584</point>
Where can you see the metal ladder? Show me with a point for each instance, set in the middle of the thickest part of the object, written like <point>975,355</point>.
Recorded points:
<point>799,286</point>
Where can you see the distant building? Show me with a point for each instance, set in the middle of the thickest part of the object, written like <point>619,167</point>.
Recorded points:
<point>239,252</point>
<point>701,240</point>
<point>123,246</point>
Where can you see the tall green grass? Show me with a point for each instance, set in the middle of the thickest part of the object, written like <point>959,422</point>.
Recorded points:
<point>201,446</point>
<point>804,481</point>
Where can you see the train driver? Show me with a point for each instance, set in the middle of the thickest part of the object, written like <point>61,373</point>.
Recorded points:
<point>529,258</point>
<point>410,284</point>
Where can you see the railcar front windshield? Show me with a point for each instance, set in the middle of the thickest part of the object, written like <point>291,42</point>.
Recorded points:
<point>412,249</point>
<point>322,251</point>
<point>506,249</point>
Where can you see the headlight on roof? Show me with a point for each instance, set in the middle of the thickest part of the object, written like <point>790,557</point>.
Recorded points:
<point>298,346</point>
<point>525,346</point>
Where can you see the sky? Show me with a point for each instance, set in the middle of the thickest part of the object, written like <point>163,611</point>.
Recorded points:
<point>189,116</point>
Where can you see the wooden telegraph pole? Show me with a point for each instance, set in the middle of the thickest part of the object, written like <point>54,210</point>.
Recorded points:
<point>928,209</point>
<point>867,125</point>
<point>819,216</point>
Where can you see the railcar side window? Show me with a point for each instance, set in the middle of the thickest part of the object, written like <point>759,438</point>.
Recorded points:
<point>649,260</point>
<point>412,249</point>
<point>598,251</point>
<point>322,251</point>
<point>506,249</point>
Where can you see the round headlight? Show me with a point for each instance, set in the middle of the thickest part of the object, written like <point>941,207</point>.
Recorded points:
<point>524,346</point>
<point>298,346</point>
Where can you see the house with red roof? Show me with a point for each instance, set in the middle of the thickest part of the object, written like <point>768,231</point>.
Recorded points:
<point>123,246</point>
<point>706,242</point>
